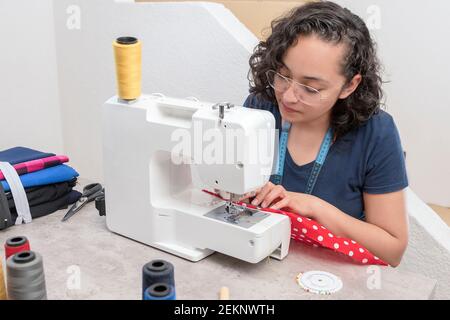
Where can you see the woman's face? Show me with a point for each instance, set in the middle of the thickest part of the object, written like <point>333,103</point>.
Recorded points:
<point>316,64</point>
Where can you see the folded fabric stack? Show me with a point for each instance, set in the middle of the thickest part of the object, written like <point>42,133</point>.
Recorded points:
<point>46,180</point>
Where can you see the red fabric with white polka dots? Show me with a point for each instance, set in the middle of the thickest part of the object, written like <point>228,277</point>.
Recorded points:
<point>312,233</point>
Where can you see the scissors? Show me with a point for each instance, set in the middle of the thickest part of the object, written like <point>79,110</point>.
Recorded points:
<point>90,192</point>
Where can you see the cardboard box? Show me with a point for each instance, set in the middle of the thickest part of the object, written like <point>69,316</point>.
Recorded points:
<point>255,14</point>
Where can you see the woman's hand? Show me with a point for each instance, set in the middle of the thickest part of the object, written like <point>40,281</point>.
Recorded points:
<point>277,197</point>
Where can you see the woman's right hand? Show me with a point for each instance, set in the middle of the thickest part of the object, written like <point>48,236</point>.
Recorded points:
<point>248,197</point>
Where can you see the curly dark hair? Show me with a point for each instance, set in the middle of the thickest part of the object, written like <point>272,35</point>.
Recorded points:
<point>335,24</point>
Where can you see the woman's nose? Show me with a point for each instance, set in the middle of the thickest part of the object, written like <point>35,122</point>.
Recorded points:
<point>289,95</point>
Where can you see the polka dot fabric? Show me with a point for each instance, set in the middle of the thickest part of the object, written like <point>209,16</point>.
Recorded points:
<point>311,233</point>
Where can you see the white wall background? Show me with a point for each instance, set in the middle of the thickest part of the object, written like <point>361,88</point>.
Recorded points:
<point>29,108</point>
<point>413,40</point>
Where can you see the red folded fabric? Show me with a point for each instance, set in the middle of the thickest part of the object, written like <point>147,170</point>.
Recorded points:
<point>312,233</point>
<point>36,165</point>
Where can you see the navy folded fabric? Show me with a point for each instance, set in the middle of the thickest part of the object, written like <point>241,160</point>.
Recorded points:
<point>46,208</point>
<point>46,176</point>
<point>43,194</point>
<point>21,154</point>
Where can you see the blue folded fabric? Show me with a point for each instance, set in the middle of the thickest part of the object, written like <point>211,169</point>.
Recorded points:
<point>51,175</point>
<point>21,154</point>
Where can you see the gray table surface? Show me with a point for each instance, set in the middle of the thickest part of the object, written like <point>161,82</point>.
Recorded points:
<point>109,267</point>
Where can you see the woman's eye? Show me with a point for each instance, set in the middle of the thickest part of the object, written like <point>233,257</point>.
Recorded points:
<point>311,90</point>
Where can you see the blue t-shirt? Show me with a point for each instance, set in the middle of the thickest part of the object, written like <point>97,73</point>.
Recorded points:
<point>367,159</point>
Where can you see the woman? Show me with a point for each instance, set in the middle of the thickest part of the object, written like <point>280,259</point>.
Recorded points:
<point>319,75</point>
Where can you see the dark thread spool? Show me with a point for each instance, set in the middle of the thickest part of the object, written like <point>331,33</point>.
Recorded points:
<point>160,291</point>
<point>157,271</point>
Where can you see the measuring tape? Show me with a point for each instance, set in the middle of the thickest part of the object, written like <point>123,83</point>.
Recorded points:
<point>319,282</point>
<point>318,163</point>
<point>276,178</point>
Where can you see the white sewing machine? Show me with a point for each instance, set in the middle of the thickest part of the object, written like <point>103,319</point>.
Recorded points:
<point>154,180</point>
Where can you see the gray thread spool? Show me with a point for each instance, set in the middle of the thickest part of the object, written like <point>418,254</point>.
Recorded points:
<point>25,276</point>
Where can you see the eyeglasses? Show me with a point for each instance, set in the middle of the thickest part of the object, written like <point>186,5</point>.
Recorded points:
<point>303,93</point>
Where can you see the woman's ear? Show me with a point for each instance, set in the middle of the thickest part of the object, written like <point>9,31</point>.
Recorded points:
<point>350,87</point>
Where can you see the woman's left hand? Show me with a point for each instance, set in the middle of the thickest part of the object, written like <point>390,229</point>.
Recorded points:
<point>277,197</point>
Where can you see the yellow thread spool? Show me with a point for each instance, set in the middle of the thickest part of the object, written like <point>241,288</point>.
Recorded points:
<point>128,57</point>
<point>3,295</point>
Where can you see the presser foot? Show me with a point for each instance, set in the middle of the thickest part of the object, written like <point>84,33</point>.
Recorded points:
<point>237,215</point>
<point>235,211</point>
